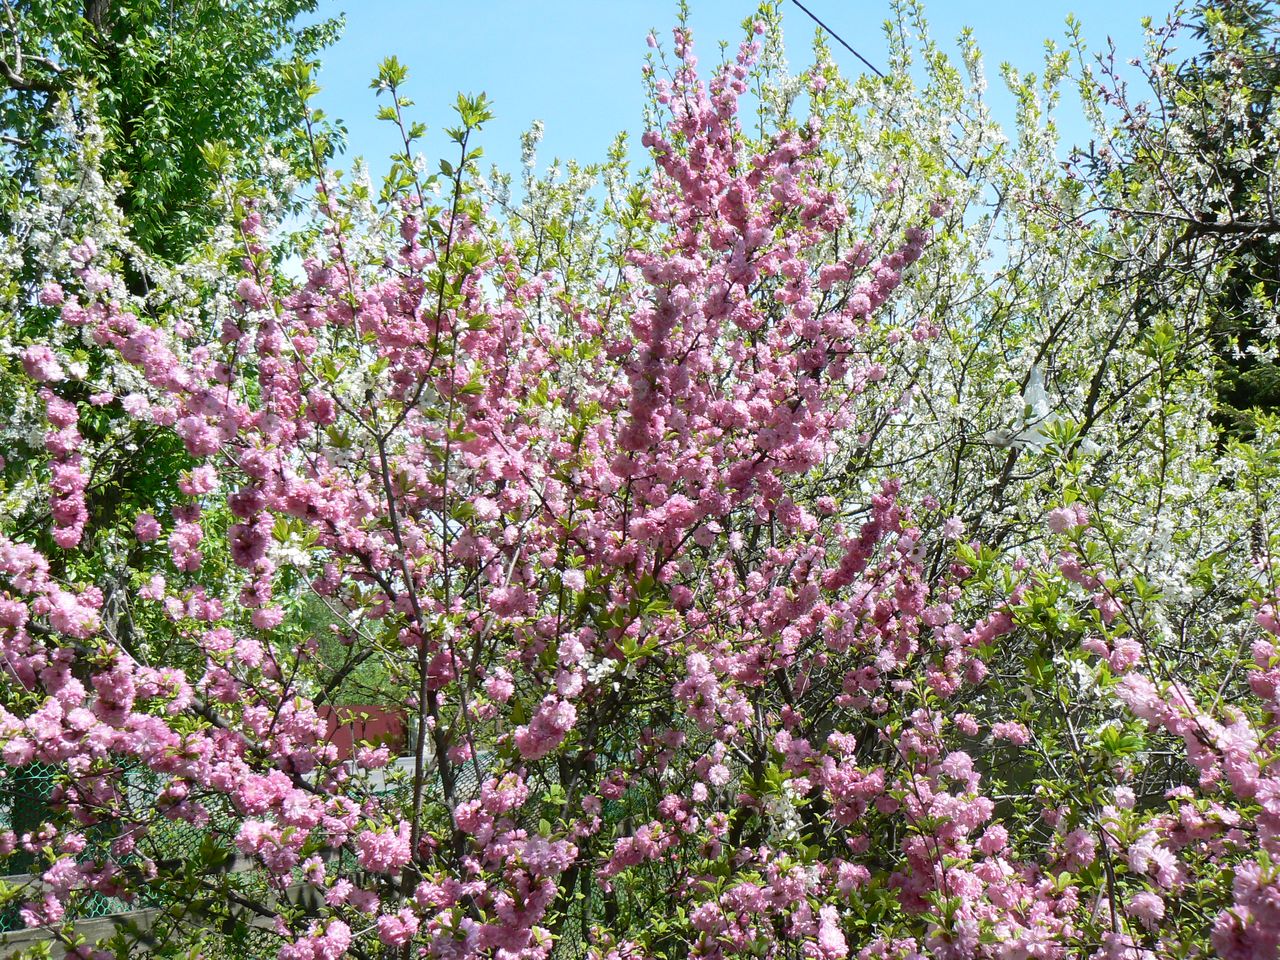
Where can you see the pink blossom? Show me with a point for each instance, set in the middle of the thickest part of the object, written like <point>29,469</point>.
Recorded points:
<point>1015,733</point>
<point>1146,907</point>
<point>41,365</point>
<point>831,941</point>
<point>397,929</point>
<point>383,851</point>
<point>546,731</point>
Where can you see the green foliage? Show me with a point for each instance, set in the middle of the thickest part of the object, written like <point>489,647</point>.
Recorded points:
<point>1192,189</point>
<point>167,78</point>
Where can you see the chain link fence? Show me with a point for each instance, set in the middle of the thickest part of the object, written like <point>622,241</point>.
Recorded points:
<point>27,797</point>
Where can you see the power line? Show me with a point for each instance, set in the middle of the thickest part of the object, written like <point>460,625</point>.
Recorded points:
<point>839,39</point>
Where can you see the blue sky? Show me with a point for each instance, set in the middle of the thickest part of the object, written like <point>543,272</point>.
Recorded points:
<point>575,64</point>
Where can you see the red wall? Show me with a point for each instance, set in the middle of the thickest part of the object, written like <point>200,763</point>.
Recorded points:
<point>351,723</point>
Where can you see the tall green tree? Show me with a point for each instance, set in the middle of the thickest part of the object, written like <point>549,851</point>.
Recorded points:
<point>1243,56</point>
<point>1192,178</point>
<point>166,78</point>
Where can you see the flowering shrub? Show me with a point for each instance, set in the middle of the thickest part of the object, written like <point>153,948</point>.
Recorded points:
<point>621,505</point>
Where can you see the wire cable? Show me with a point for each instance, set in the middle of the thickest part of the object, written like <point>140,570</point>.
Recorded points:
<point>839,39</point>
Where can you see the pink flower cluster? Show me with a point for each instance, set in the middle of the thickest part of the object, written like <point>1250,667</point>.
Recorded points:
<point>68,482</point>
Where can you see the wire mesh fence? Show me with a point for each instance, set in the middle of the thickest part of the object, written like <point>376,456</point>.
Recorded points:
<point>28,796</point>
<point>25,797</point>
